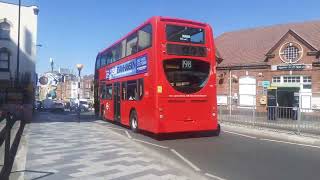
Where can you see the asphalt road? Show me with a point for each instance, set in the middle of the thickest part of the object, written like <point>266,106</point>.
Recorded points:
<point>235,157</point>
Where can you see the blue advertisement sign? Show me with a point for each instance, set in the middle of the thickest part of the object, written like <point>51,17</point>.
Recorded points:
<point>135,66</point>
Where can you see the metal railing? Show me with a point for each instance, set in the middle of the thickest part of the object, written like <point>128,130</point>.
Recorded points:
<point>9,148</point>
<point>298,120</point>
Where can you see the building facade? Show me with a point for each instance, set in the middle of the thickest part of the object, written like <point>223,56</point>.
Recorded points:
<point>17,59</point>
<point>284,59</point>
<point>68,88</point>
<point>86,87</point>
<point>9,43</point>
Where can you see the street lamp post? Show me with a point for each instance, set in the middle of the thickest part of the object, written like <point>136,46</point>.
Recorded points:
<point>79,67</point>
<point>18,46</point>
<point>51,63</point>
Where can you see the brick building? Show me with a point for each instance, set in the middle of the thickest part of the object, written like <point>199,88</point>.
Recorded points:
<point>285,58</point>
<point>87,87</point>
<point>68,89</point>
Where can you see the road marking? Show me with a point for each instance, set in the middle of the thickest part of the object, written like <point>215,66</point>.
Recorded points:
<point>114,128</point>
<point>214,176</point>
<point>185,160</point>
<point>252,137</point>
<point>164,147</point>
<point>286,142</point>
<point>129,136</point>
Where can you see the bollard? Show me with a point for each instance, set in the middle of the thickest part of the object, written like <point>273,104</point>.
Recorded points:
<point>253,116</point>
<point>299,120</point>
<point>78,113</point>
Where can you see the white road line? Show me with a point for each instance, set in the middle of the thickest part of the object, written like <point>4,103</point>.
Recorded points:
<point>286,142</point>
<point>129,136</point>
<point>164,147</point>
<point>252,137</point>
<point>214,176</point>
<point>108,127</point>
<point>185,160</point>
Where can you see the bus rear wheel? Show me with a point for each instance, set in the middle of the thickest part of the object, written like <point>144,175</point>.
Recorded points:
<point>217,132</point>
<point>134,121</point>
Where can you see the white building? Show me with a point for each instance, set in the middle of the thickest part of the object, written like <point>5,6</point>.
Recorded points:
<point>9,43</point>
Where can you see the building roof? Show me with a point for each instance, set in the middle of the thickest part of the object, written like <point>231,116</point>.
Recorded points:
<point>250,46</point>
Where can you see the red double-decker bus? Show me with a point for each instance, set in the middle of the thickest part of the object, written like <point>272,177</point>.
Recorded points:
<point>160,78</point>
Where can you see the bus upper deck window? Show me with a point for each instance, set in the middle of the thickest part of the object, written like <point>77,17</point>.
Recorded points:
<point>144,37</point>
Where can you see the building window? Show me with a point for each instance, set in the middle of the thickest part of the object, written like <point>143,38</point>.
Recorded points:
<point>4,30</point>
<point>4,59</point>
<point>291,52</point>
<point>307,86</point>
<point>307,79</point>
<point>276,79</point>
<point>291,79</point>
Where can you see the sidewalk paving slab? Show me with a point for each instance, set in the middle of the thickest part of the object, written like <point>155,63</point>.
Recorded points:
<point>58,149</point>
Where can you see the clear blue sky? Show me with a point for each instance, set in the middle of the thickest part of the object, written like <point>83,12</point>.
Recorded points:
<point>73,31</point>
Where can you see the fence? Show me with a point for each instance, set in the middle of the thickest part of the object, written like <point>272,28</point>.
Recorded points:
<point>299,120</point>
<point>8,148</point>
<point>10,128</point>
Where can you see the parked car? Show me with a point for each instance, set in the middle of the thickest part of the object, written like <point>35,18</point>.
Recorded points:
<point>57,106</point>
<point>84,106</point>
<point>37,105</point>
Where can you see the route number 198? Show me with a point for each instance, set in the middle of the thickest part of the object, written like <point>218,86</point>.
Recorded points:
<point>186,64</point>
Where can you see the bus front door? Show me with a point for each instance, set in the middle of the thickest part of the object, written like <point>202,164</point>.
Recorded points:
<point>116,100</point>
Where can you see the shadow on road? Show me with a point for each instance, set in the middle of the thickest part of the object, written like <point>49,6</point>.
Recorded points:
<point>42,174</point>
<point>66,116</point>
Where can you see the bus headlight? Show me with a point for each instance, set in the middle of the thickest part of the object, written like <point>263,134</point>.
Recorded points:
<point>213,114</point>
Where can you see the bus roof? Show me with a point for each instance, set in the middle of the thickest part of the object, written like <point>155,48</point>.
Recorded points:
<point>155,18</point>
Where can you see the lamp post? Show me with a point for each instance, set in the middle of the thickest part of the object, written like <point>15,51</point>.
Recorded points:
<point>79,67</point>
<point>51,63</point>
<point>18,46</point>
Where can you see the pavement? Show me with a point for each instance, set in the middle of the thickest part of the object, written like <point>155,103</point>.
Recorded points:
<point>309,125</point>
<point>274,133</point>
<point>59,147</point>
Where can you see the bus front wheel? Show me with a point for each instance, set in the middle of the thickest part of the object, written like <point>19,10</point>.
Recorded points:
<point>134,121</point>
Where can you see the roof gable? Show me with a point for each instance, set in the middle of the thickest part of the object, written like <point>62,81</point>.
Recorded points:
<point>295,35</point>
